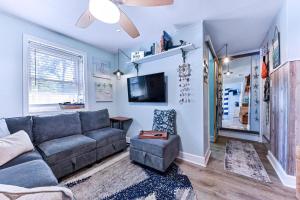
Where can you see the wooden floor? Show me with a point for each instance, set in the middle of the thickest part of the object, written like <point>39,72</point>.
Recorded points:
<point>213,182</point>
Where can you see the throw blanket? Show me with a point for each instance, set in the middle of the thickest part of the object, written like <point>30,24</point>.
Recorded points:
<point>9,192</point>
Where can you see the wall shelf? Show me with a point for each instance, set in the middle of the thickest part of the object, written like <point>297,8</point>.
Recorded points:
<point>171,52</point>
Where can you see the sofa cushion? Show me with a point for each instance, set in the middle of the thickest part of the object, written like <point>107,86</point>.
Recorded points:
<point>3,128</point>
<point>29,174</point>
<point>56,150</point>
<point>13,145</point>
<point>25,157</point>
<point>93,120</point>
<point>157,147</point>
<point>20,123</point>
<point>165,121</point>
<point>106,136</point>
<point>53,127</point>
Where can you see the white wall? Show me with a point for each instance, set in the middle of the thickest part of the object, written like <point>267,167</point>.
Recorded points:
<point>189,116</point>
<point>11,45</point>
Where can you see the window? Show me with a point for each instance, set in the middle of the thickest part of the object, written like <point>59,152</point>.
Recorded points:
<point>53,75</point>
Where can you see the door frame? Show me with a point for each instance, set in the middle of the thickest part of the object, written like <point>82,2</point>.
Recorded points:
<point>215,75</point>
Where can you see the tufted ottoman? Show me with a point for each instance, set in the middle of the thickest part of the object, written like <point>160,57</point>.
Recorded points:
<point>155,153</point>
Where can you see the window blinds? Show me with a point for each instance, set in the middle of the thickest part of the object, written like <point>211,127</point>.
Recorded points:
<point>55,75</point>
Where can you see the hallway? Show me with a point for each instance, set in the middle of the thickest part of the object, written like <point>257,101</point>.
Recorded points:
<point>214,182</point>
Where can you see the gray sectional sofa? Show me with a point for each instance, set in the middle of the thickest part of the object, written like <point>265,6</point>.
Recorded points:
<point>64,143</point>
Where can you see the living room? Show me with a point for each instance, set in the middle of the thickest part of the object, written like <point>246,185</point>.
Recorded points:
<point>106,99</point>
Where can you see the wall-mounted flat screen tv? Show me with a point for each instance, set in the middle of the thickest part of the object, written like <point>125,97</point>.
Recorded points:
<point>148,88</point>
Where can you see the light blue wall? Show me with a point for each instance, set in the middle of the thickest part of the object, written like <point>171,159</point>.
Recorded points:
<point>189,116</point>
<point>11,46</point>
<point>287,21</point>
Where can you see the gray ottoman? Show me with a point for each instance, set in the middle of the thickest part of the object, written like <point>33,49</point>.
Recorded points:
<point>155,153</point>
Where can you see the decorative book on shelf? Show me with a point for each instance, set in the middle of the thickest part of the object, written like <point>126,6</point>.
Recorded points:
<point>153,135</point>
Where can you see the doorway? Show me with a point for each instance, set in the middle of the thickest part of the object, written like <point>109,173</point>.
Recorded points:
<point>241,93</point>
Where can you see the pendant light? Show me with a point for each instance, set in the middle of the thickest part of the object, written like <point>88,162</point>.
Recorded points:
<point>228,73</point>
<point>118,73</point>
<point>226,60</point>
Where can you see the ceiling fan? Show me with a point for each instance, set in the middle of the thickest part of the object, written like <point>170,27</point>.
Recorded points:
<point>109,12</point>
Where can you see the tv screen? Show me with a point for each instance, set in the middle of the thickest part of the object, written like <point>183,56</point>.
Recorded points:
<point>148,88</point>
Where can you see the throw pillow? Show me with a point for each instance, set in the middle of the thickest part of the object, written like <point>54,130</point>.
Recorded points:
<point>3,128</point>
<point>8,192</point>
<point>165,121</point>
<point>14,145</point>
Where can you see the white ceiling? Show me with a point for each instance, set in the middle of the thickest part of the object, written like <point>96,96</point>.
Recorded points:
<point>240,23</point>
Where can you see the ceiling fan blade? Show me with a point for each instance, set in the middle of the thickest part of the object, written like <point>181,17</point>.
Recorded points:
<point>128,25</point>
<point>147,2</point>
<point>85,19</point>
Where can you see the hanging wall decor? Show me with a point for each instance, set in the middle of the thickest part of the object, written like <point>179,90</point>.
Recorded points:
<point>104,90</point>
<point>205,72</point>
<point>101,69</point>
<point>184,75</point>
<point>255,91</point>
<point>276,48</point>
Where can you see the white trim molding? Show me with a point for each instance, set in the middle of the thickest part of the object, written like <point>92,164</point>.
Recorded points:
<point>25,84</point>
<point>195,159</point>
<point>239,135</point>
<point>287,180</point>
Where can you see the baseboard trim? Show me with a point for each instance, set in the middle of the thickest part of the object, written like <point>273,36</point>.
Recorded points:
<point>287,180</point>
<point>195,159</point>
<point>243,136</point>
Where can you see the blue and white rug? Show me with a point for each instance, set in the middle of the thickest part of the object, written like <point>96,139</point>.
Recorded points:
<point>123,180</point>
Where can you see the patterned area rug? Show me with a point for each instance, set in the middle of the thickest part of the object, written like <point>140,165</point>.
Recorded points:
<point>123,179</point>
<point>241,158</point>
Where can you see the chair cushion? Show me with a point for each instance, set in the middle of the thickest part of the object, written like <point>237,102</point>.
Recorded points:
<point>29,174</point>
<point>106,136</point>
<point>165,121</point>
<point>157,147</point>
<point>53,127</point>
<point>93,120</point>
<point>20,123</point>
<point>56,150</point>
<point>25,157</point>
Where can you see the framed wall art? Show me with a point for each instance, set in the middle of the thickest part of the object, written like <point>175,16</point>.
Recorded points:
<point>276,48</point>
<point>103,90</point>
<point>101,69</point>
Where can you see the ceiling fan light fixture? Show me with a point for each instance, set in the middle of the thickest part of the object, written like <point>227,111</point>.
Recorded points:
<point>105,10</point>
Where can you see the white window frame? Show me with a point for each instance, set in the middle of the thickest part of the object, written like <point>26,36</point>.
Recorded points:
<point>26,40</point>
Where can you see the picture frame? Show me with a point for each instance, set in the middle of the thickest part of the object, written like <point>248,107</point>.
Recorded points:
<point>103,90</point>
<point>276,49</point>
<point>101,69</point>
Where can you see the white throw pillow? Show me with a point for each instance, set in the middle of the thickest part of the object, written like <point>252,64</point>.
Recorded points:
<point>3,128</point>
<point>8,192</point>
<point>14,145</point>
